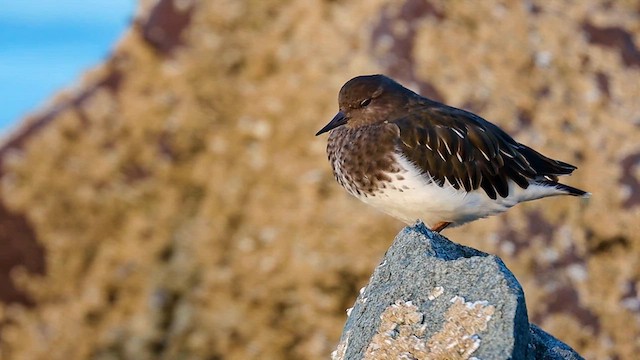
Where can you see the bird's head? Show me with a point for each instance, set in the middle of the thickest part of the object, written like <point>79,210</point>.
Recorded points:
<point>370,99</point>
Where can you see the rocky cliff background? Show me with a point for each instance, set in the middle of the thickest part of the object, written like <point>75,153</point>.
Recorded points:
<point>175,203</point>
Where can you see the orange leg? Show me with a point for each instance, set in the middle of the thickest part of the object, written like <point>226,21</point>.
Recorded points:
<point>440,226</point>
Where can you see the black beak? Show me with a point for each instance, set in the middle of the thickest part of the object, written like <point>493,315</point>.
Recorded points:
<point>338,120</point>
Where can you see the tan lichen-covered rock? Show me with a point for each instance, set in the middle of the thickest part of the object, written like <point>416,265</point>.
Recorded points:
<point>459,338</point>
<point>401,332</point>
<point>175,202</point>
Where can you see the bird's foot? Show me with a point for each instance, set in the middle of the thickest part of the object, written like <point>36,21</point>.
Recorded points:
<point>440,226</point>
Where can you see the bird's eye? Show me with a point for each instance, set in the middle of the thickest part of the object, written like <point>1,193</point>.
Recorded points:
<point>365,102</point>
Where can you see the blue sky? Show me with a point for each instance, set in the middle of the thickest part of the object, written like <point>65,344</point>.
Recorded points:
<point>46,44</point>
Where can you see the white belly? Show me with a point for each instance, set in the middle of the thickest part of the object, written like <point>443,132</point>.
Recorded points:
<point>415,197</point>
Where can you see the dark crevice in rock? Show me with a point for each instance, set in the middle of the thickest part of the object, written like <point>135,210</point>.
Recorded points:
<point>168,302</point>
<point>19,248</point>
<point>525,119</point>
<point>603,84</point>
<point>566,300</point>
<point>631,296</point>
<point>629,180</point>
<point>614,37</point>
<point>603,246</point>
<point>165,26</point>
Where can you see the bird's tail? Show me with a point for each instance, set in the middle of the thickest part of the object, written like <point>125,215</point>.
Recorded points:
<point>569,190</point>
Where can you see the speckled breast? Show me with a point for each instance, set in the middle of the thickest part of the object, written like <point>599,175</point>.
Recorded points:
<point>363,158</point>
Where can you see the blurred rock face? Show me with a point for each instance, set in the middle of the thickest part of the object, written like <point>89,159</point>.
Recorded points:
<point>178,205</point>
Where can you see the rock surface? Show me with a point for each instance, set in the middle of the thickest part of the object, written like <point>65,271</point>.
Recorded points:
<point>433,299</point>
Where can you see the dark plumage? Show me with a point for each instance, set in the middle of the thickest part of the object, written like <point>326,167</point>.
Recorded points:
<point>381,124</point>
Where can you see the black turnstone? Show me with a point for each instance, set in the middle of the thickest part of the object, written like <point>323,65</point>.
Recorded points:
<point>418,159</point>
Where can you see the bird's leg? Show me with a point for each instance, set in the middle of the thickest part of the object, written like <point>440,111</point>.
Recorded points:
<point>440,226</point>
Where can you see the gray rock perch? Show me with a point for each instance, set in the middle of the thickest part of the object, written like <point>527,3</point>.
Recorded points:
<point>433,299</point>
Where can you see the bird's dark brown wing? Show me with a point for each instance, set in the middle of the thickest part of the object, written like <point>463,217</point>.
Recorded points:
<point>470,152</point>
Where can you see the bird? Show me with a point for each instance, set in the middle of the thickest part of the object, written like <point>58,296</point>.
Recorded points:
<point>417,159</point>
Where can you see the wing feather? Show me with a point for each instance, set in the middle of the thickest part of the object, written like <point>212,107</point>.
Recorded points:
<point>469,152</point>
